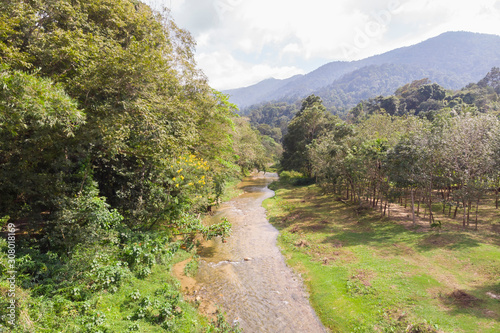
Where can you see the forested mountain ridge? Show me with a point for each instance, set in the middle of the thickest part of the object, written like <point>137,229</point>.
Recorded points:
<point>422,98</point>
<point>452,59</point>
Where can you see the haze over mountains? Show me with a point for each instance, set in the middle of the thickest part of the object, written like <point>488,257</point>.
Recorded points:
<point>452,59</point>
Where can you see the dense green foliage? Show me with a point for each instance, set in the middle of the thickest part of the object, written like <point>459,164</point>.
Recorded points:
<point>111,146</point>
<point>428,100</point>
<point>272,119</point>
<point>311,122</point>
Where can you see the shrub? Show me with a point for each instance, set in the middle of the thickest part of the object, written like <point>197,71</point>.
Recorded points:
<point>288,175</point>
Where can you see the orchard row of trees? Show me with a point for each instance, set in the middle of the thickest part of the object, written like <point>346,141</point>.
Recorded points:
<point>382,158</point>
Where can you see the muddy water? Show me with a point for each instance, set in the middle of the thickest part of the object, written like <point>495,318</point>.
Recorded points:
<point>247,276</point>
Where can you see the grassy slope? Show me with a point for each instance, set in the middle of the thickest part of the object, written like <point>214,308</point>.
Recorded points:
<point>367,273</point>
<point>231,190</point>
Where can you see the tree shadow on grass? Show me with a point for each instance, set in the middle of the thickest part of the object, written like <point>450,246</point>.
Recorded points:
<point>480,302</point>
<point>352,224</point>
<point>451,241</point>
<point>310,217</point>
<point>382,232</point>
<point>376,236</point>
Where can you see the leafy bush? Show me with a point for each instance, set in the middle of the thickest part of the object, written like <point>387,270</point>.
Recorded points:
<point>220,325</point>
<point>95,322</point>
<point>191,267</point>
<point>288,175</point>
<point>107,274</point>
<point>86,218</point>
<point>160,308</point>
<point>142,251</point>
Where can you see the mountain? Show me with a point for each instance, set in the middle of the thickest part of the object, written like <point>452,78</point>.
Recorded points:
<point>452,59</point>
<point>256,93</point>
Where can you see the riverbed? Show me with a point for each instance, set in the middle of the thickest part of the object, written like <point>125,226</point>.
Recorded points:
<point>247,275</point>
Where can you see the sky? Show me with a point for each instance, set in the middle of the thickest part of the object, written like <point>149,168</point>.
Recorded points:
<point>242,42</point>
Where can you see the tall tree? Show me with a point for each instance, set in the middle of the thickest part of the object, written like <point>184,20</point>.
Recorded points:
<point>38,121</point>
<point>307,125</point>
<point>469,156</point>
<point>147,108</point>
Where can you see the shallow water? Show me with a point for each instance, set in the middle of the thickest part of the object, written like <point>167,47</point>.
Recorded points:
<point>247,276</point>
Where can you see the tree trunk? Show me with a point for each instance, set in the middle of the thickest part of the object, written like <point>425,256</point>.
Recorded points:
<point>431,217</point>
<point>413,206</point>
<point>469,204</point>
<point>418,205</point>
<point>374,196</point>
<point>496,197</point>
<point>477,209</point>
<point>444,201</point>
<point>456,210</point>
<point>353,192</point>
<point>465,211</point>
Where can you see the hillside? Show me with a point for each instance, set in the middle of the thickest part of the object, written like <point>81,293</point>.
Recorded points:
<point>452,59</point>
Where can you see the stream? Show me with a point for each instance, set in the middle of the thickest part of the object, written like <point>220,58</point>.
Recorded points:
<point>247,276</point>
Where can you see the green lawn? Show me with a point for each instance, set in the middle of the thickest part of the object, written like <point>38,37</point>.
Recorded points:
<point>371,274</point>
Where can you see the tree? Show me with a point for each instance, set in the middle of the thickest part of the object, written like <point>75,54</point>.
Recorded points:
<point>38,148</point>
<point>406,163</point>
<point>147,107</point>
<point>307,125</point>
<point>248,146</point>
<point>492,79</point>
<point>469,157</point>
<point>328,153</point>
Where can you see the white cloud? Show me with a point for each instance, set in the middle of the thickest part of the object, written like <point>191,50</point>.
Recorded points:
<point>225,72</point>
<point>243,41</point>
<point>292,48</point>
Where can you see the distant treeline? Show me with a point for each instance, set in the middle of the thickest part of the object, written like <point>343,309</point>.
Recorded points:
<point>421,97</point>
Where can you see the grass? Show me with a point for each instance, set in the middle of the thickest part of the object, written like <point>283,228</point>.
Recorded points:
<point>371,274</point>
<point>192,266</point>
<point>231,190</point>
